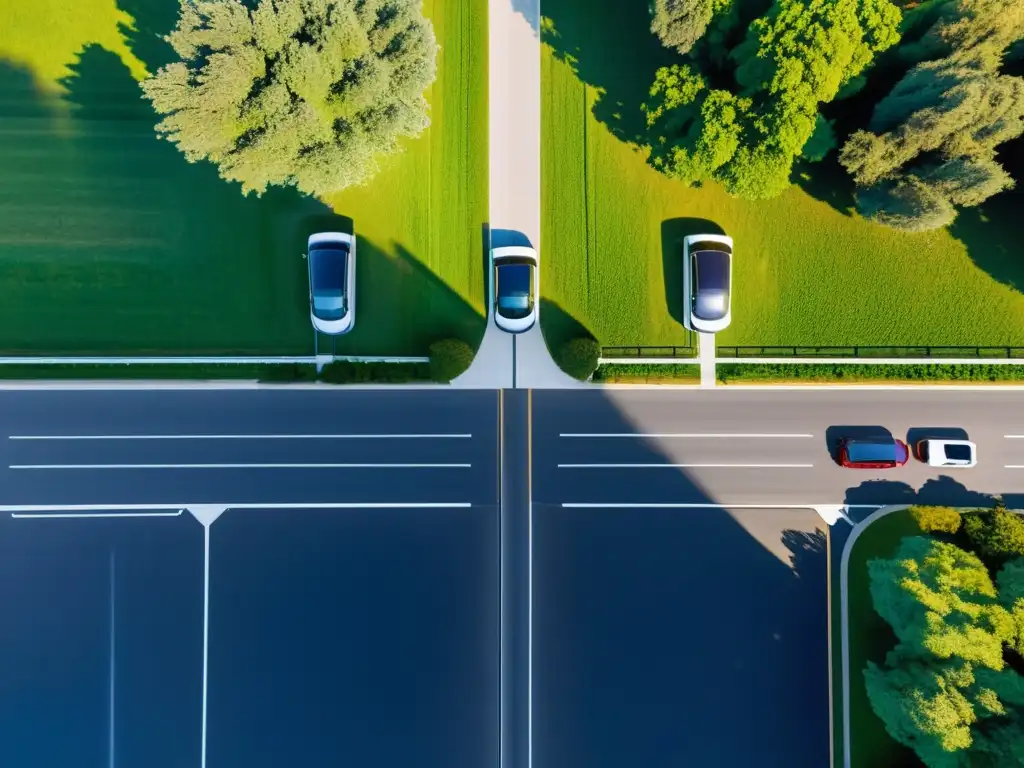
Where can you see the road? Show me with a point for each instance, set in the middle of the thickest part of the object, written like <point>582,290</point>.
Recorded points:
<point>218,446</point>
<point>763,447</point>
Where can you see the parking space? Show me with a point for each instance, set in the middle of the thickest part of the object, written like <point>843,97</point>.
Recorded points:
<point>656,632</point>
<point>101,641</point>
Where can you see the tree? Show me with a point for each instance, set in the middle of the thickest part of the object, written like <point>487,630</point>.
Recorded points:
<point>680,23</point>
<point>943,519</point>
<point>304,93</point>
<point>997,535</point>
<point>941,599</point>
<point>984,27</point>
<point>795,58</point>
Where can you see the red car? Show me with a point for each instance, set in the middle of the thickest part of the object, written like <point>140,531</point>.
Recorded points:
<point>873,453</point>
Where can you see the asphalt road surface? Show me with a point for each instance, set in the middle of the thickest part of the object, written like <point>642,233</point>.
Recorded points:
<point>749,447</point>
<point>238,446</point>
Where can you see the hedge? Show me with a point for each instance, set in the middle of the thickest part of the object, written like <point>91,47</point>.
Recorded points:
<point>334,373</point>
<point>640,373</point>
<point>449,358</point>
<point>855,372</point>
<point>579,357</point>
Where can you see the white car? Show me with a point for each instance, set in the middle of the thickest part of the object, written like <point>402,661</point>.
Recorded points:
<point>515,287</point>
<point>707,282</point>
<point>948,453</point>
<point>332,281</point>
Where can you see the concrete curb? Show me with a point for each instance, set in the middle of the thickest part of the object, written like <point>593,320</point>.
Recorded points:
<point>186,384</point>
<point>211,360</point>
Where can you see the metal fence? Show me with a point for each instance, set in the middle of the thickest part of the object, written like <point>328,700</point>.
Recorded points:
<point>924,351</point>
<point>654,352</point>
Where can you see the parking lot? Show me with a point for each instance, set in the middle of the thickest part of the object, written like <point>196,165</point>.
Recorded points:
<point>330,598</point>
<point>659,629</point>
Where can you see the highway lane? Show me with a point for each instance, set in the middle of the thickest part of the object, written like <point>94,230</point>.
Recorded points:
<point>260,446</point>
<point>767,447</point>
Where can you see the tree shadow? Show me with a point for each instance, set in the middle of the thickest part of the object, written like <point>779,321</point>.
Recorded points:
<point>153,20</point>
<point>828,182</point>
<point>586,39</point>
<point>618,664</point>
<point>672,233</point>
<point>942,491</point>
<point>990,233</point>
<point>558,326</point>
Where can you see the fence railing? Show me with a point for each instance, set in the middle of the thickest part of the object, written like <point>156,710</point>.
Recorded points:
<point>871,351</point>
<point>656,352</point>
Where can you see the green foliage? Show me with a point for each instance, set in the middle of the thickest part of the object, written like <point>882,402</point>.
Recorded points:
<point>304,93</point>
<point>449,358</point>
<point>936,519</point>
<point>821,142</point>
<point>579,357</point>
<point>680,23</point>
<point>997,535</point>
<point>933,139</point>
<point>795,58</point>
<point>856,372</point>
<point>940,598</point>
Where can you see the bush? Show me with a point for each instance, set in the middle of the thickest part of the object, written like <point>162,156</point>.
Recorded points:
<point>579,357</point>
<point>997,535</point>
<point>449,358</point>
<point>343,372</point>
<point>936,519</point>
<point>854,372</point>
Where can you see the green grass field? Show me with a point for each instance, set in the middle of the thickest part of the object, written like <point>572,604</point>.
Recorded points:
<point>111,243</point>
<point>870,639</point>
<point>806,272</point>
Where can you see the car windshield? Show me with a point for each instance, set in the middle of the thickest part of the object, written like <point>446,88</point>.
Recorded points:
<point>871,451</point>
<point>328,271</point>
<point>711,281</point>
<point>958,452</point>
<point>514,290</point>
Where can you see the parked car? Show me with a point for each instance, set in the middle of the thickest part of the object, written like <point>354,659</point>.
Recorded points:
<point>515,287</point>
<point>332,281</point>
<point>873,453</point>
<point>947,453</point>
<point>707,282</point>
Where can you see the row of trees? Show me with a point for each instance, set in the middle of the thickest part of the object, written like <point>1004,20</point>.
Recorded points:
<point>304,93</point>
<point>746,101</point>
<point>952,688</point>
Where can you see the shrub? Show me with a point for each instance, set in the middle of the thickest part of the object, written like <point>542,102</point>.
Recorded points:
<point>936,519</point>
<point>579,357</point>
<point>449,358</point>
<point>997,535</point>
<point>344,372</point>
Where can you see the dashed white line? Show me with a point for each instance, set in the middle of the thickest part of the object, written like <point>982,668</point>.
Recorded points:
<point>244,437</point>
<point>240,466</point>
<point>685,466</point>
<point>673,435</point>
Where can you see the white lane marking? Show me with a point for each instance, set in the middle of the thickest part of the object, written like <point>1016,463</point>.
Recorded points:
<point>89,510</point>
<point>206,634</point>
<point>685,466</point>
<point>74,515</point>
<point>680,434</point>
<point>1013,466</point>
<point>1014,437</point>
<point>242,437</point>
<point>239,466</point>
<point>706,505</point>
<point>113,664</point>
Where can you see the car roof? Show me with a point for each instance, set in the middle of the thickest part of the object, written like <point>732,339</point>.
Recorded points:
<point>873,449</point>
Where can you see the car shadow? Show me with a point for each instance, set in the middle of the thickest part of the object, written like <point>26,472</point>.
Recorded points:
<point>859,432</point>
<point>672,233</point>
<point>917,434</point>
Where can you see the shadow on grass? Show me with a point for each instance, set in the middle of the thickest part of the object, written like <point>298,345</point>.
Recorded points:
<point>672,233</point>
<point>558,326</point>
<point>657,630</point>
<point>112,243</point>
<point>991,234</point>
<point>826,181</point>
<point>154,19</point>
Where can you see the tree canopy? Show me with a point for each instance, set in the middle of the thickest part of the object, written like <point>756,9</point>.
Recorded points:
<point>795,58</point>
<point>304,93</point>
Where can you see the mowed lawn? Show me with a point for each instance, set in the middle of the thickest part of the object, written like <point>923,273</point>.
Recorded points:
<point>870,639</point>
<point>806,273</point>
<point>111,243</point>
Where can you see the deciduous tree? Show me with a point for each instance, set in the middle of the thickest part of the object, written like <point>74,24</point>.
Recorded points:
<point>309,93</point>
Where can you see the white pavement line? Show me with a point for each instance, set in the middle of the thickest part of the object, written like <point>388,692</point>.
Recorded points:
<point>1014,437</point>
<point>66,510</point>
<point>241,437</point>
<point>1013,466</point>
<point>239,466</point>
<point>707,505</point>
<point>112,714</point>
<point>685,466</point>
<point>206,635</point>
<point>78,515</point>
<point>678,434</point>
